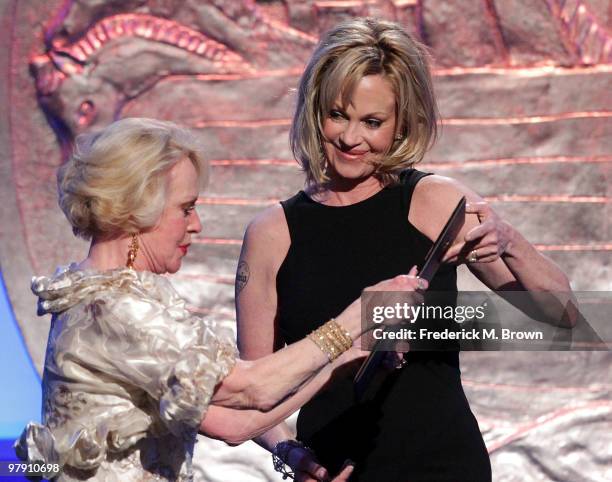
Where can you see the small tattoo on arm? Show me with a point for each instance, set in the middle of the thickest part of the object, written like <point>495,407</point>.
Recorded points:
<point>242,276</point>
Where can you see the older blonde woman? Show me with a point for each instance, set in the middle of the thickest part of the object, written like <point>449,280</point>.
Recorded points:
<point>365,115</point>
<point>130,375</point>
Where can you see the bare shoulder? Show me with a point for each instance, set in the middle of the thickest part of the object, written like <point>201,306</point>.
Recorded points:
<point>433,201</point>
<point>268,224</point>
<point>443,190</point>
<point>268,234</point>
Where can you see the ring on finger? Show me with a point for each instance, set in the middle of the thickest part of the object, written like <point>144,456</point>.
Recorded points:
<point>421,284</point>
<point>473,256</point>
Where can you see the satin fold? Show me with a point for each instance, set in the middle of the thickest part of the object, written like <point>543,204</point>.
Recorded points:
<point>129,374</point>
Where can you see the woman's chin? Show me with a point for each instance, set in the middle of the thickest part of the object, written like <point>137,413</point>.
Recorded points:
<point>174,267</point>
<point>352,172</point>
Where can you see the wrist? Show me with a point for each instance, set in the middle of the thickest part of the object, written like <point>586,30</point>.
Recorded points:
<point>352,354</point>
<point>281,453</point>
<point>332,339</point>
<point>350,320</point>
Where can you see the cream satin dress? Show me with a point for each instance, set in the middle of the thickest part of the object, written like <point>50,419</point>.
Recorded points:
<point>129,374</point>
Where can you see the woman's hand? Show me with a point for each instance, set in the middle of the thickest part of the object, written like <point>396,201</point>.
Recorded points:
<point>484,243</point>
<point>394,360</point>
<point>305,466</point>
<point>401,289</point>
<point>403,282</point>
<point>343,476</point>
<point>307,469</point>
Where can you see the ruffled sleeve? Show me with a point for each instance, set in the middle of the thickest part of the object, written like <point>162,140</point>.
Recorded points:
<point>37,445</point>
<point>177,358</point>
<point>123,335</point>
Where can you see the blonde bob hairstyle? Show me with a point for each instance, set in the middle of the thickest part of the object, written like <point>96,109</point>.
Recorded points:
<point>349,52</point>
<point>115,182</point>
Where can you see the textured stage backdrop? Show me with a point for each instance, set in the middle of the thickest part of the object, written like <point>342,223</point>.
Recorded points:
<point>524,90</point>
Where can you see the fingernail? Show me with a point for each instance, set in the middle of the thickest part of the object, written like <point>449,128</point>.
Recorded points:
<point>346,463</point>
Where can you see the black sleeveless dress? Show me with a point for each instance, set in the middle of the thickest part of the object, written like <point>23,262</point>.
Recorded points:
<point>418,426</point>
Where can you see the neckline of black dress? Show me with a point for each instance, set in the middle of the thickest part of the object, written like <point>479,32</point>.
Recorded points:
<point>347,206</point>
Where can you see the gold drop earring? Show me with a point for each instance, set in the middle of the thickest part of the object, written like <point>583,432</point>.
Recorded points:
<point>132,252</point>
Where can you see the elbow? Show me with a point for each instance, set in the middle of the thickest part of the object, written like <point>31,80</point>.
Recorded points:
<point>570,316</point>
<point>234,440</point>
<point>567,315</point>
<point>571,324</point>
<point>231,439</point>
<point>565,321</point>
<point>561,309</point>
<point>571,312</point>
<point>225,432</point>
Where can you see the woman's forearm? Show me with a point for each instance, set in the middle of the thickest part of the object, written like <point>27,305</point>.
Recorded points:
<point>235,426</point>
<point>531,268</point>
<point>276,434</point>
<point>263,383</point>
<point>547,284</point>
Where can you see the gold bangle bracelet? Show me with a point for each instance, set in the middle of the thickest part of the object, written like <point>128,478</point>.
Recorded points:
<point>331,339</point>
<point>324,344</point>
<point>341,334</point>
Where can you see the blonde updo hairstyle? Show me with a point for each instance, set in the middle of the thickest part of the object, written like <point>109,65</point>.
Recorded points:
<point>350,51</point>
<point>115,182</point>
